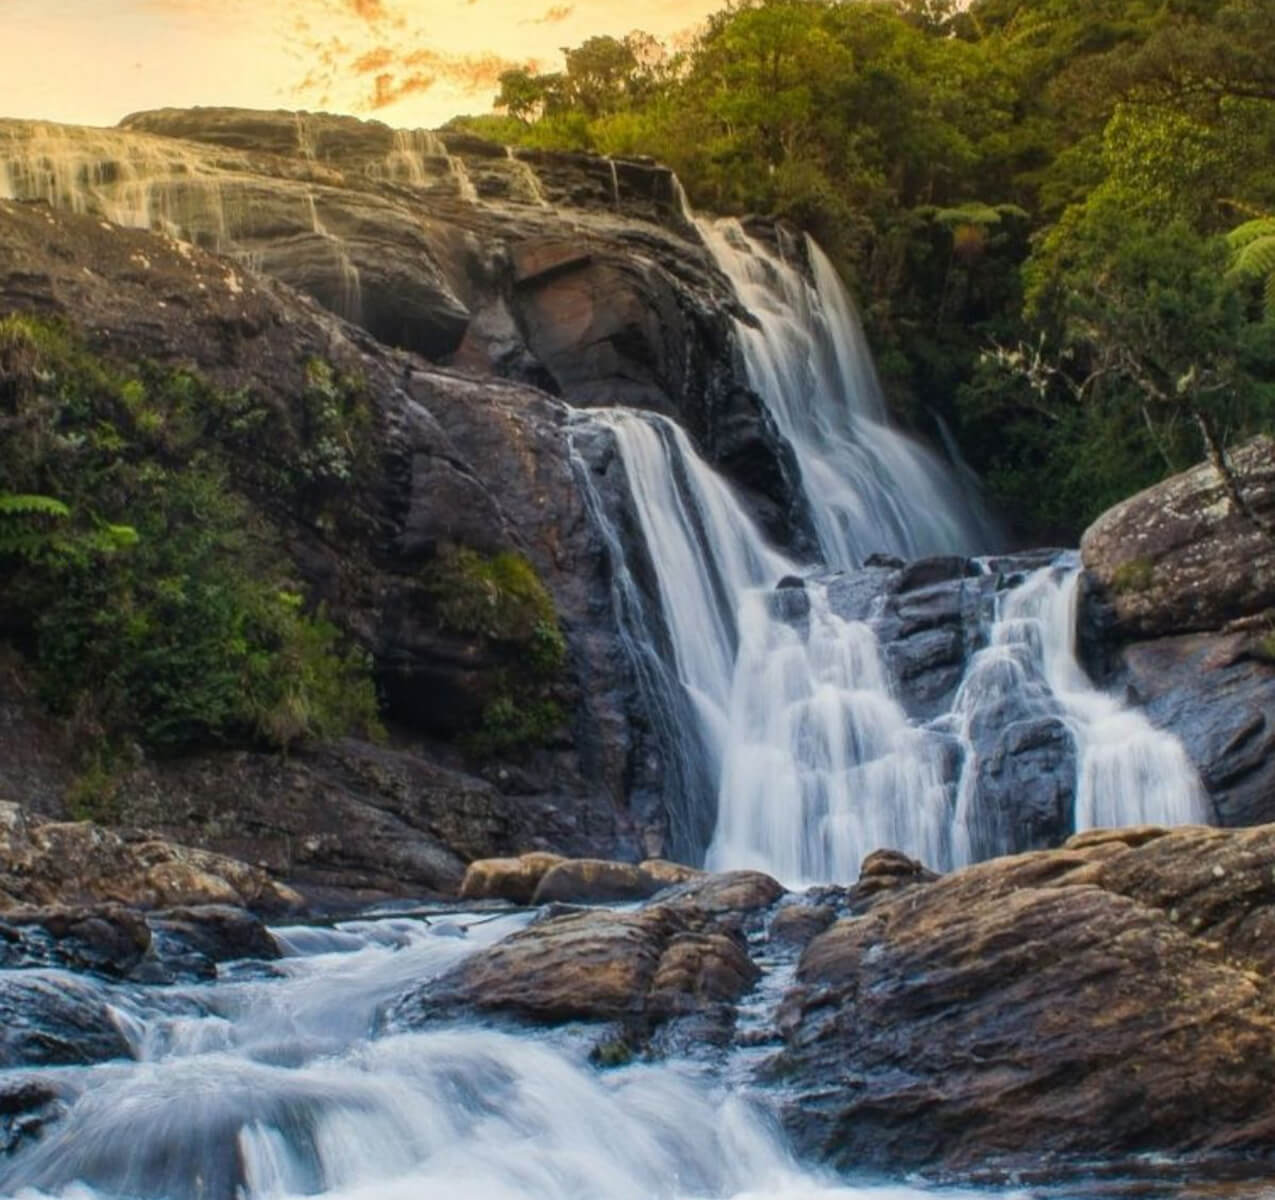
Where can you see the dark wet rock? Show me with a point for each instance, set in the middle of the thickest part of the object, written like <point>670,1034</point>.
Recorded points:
<point>27,1107</point>
<point>925,572</point>
<point>1181,558</point>
<point>218,932</point>
<point>1216,694</point>
<point>890,561</point>
<point>52,1019</point>
<point>1026,787</point>
<point>797,924</point>
<point>106,939</point>
<point>790,581</point>
<point>1106,1000</point>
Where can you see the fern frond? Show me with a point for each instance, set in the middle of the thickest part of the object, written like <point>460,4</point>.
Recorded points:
<point>13,504</point>
<point>1256,259</point>
<point>1251,231</point>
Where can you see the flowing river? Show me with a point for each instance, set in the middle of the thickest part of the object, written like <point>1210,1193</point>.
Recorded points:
<point>275,1081</point>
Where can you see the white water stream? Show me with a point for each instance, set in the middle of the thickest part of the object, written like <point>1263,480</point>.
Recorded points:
<point>815,762</point>
<point>266,1088</point>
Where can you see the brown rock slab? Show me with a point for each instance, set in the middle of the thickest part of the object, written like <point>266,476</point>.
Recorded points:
<point>1107,1000</point>
<point>595,881</point>
<point>48,863</point>
<point>513,879</point>
<point>729,892</point>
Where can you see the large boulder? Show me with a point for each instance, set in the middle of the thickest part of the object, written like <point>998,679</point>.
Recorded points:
<point>1178,612</point>
<point>681,961</point>
<point>1111,999</point>
<point>513,879</point>
<point>1181,557</point>
<point>46,862</point>
<point>52,1019</point>
<point>377,226</point>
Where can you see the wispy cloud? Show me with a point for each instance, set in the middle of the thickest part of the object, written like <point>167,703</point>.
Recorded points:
<point>551,16</point>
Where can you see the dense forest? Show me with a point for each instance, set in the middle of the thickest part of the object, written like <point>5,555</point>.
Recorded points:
<point>1058,215</point>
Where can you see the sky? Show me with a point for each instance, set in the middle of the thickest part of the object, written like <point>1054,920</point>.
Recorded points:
<point>407,62</point>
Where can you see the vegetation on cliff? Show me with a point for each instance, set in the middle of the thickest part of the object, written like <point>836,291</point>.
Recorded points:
<point>154,599</point>
<point>1032,198</point>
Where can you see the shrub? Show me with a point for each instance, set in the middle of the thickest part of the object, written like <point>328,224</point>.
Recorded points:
<point>152,592</point>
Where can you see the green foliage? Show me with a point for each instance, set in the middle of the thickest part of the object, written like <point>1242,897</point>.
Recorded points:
<point>153,595</point>
<point>511,725</point>
<point>1252,247</point>
<point>967,166</point>
<point>501,600</point>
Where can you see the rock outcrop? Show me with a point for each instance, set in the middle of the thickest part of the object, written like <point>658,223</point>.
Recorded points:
<point>667,974</point>
<point>1179,613</point>
<point>538,309</point>
<point>73,863</point>
<point>1107,1000</point>
<point>1181,557</point>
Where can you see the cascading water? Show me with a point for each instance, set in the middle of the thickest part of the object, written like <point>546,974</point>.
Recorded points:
<point>1128,773</point>
<point>814,759</point>
<point>269,1084</point>
<point>870,488</point>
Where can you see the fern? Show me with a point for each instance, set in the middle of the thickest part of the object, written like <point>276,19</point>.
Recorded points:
<point>1253,256</point>
<point>20,506</point>
<point>31,527</point>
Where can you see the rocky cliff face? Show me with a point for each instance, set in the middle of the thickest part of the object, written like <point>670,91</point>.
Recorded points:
<point>460,462</point>
<point>1180,612</point>
<point>487,294</point>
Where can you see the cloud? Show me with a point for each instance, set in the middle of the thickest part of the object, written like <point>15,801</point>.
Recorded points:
<point>551,16</point>
<point>387,89</point>
<point>372,11</point>
<point>373,60</point>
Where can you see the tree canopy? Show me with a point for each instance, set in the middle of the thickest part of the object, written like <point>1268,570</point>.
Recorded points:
<point>1031,198</point>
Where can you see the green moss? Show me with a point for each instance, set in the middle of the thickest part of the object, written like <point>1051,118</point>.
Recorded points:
<point>1133,576</point>
<point>612,1052</point>
<point>156,599</point>
<point>1266,647</point>
<point>512,724</point>
<point>500,598</point>
<point>94,794</point>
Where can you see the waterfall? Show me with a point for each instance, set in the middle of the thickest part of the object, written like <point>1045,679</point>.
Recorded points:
<point>811,760</point>
<point>870,487</point>
<point>821,765</point>
<point>350,303</point>
<point>1130,773</point>
<point>130,179</point>
<point>533,192</point>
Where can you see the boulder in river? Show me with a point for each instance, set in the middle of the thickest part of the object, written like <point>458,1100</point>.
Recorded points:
<point>1107,1000</point>
<point>1178,614</point>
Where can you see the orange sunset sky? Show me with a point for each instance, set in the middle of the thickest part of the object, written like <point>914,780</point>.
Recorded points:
<point>406,62</point>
